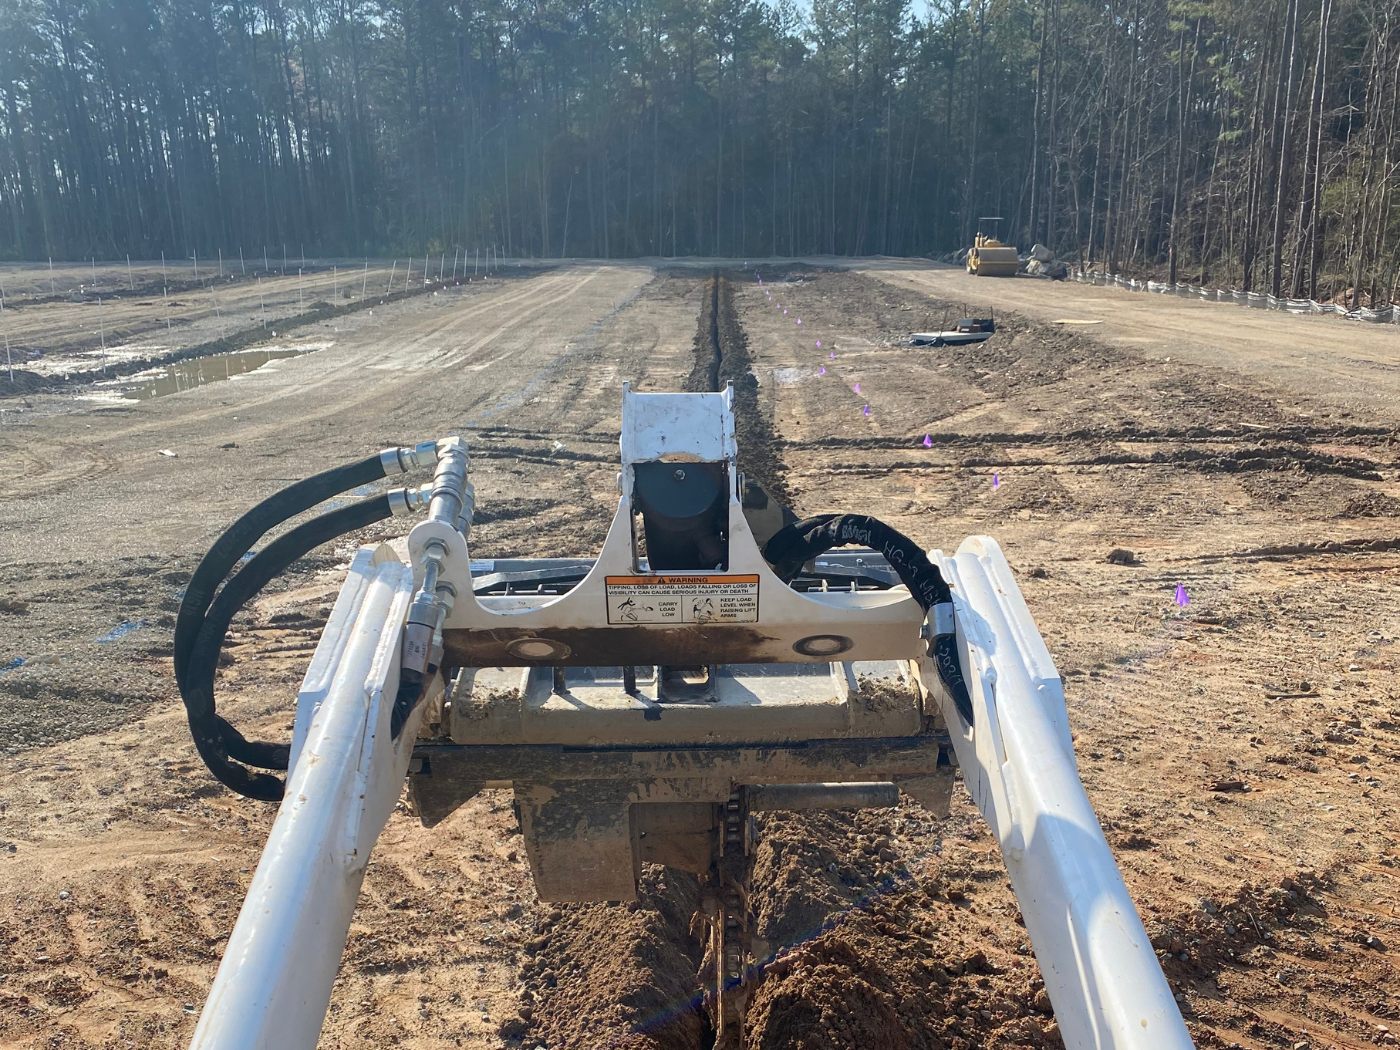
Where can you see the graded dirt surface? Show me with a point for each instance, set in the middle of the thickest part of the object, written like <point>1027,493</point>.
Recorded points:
<point>103,323</point>
<point>1241,750</point>
<point>1326,358</point>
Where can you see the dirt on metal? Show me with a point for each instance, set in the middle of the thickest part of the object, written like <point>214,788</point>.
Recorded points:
<point>1241,748</point>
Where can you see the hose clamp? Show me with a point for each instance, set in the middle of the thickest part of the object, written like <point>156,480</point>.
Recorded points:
<point>943,618</point>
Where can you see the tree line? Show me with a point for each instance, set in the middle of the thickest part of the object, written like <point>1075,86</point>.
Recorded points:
<point>1236,143</point>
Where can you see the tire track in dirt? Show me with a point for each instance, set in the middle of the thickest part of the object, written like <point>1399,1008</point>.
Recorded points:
<point>1281,552</point>
<point>101,359</point>
<point>1232,461</point>
<point>93,329</point>
<point>1131,434</point>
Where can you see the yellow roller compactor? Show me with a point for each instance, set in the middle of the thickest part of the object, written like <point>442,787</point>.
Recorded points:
<point>988,256</point>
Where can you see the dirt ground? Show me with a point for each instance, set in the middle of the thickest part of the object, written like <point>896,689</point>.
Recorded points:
<point>102,321</point>
<point>1324,359</point>
<point>1241,751</point>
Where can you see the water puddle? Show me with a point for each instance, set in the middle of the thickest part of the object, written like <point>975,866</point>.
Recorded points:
<point>197,372</point>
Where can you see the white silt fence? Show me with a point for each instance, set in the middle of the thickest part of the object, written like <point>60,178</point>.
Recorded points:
<point>1257,300</point>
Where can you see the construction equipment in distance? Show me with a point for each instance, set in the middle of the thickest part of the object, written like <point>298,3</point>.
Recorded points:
<point>644,706</point>
<point>988,256</point>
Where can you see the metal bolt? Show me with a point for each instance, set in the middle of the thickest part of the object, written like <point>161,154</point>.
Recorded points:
<point>680,475</point>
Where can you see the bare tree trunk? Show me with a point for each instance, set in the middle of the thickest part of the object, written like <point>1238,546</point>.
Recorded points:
<point>1284,138</point>
<point>1312,157</point>
<point>1037,164</point>
<point>1183,103</point>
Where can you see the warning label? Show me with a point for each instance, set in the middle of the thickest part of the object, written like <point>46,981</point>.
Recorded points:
<point>682,599</point>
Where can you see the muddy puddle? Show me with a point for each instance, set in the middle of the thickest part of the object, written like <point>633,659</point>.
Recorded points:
<point>196,372</point>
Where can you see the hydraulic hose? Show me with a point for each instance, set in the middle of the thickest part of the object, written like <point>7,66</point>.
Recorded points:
<point>239,538</point>
<point>794,545</point>
<point>218,742</point>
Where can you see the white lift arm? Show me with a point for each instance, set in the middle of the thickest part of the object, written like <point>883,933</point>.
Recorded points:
<point>1100,970</point>
<point>274,983</point>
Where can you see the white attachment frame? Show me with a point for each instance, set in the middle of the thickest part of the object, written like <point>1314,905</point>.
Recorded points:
<point>683,428</point>
<point>274,983</point>
<point>1102,975</point>
<point>1100,970</point>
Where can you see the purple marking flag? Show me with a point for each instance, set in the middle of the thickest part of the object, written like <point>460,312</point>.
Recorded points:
<point>865,411</point>
<point>856,387</point>
<point>819,344</point>
<point>799,320</point>
<point>1181,598</point>
<point>928,441</point>
<point>996,480</point>
<point>822,370</point>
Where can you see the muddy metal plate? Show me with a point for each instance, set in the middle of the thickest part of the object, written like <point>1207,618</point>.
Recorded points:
<point>738,704</point>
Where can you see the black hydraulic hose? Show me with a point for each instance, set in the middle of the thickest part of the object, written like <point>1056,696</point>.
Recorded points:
<point>239,538</point>
<point>218,742</point>
<point>794,545</point>
<point>411,686</point>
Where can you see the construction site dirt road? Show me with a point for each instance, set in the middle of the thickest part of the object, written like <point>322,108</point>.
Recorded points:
<point>1242,749</point>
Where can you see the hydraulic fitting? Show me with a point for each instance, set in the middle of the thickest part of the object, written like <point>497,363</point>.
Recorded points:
<point>408,499</point>
<point>422,634</point>
<point>449,481</point>
<point>451,501</point>
<point>409,457</point>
